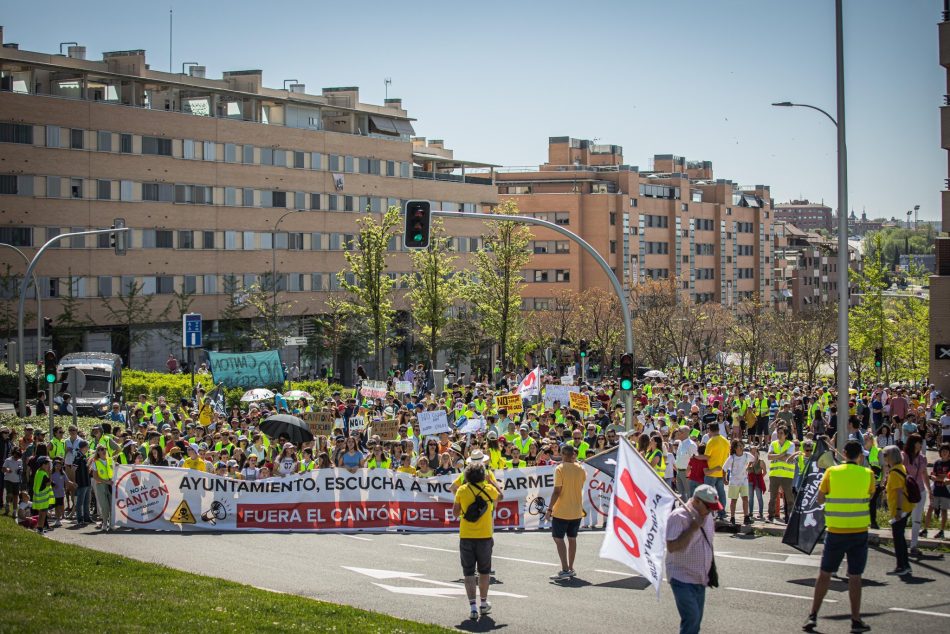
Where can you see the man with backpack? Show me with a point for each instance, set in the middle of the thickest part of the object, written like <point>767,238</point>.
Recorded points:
<point>474,506</point>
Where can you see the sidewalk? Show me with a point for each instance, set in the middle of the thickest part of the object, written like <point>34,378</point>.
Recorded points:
<point>880,536</point>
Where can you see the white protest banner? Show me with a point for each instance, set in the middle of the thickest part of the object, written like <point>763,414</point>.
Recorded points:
<point>431,423</point>
<point>557,393</point>
<point>639,511</point>
<point>472,426</point>
<point>567,380</point>
<point>183,500</point>
<point>373,389</point>
<point>404,387</point>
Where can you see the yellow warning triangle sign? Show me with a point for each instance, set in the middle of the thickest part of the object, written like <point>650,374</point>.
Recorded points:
<point>182,514</point>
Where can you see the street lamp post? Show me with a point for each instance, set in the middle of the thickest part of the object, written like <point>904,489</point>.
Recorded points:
<point>273,249</point>
<point>843,382</point>
<point>39,303</point>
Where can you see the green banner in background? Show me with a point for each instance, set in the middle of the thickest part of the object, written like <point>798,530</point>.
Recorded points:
<point>247,369</point>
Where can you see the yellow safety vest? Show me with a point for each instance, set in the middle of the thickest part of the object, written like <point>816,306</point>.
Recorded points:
<point>306,467</point>
<point>846,504</point>
<point>582,448</point>
<point>383,464</point>
<point>104,469</point>
<point>42,497</point>
<point>660,468</point>
<point>58,448</point>
<point>781,468</point>
<point>523,444</point>
<point>495,459</point>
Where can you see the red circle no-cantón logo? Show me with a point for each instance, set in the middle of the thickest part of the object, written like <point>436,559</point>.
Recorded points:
<point>141,496</point>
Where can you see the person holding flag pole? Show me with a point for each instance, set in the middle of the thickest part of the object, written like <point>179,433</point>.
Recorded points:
<point>642,528</point>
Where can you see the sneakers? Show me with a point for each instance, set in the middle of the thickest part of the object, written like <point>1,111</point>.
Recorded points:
<point>561,576</point>
<point>485,608</point>
<point>57,524</point>
<point>939,535</point>
<point>916,552</point>
<point>748,520</point>
<point>810,623</point>
<point>923,533</point>
<point>473,614</point>
<point>903,572</point>
<point>859,626</point>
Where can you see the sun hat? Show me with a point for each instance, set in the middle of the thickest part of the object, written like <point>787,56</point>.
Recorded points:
<point>477,457</point>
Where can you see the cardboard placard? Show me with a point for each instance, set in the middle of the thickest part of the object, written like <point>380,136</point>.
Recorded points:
<point>511,402</point>
<point>386,429</point>
<point>580,402</point>
<point>321,423</point>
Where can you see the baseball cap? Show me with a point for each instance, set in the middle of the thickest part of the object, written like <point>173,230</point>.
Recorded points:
<point>193,447</point>
<point>708,496</point>
<point>525,428</point>
<point>42,460</point>
<point>492,435</point>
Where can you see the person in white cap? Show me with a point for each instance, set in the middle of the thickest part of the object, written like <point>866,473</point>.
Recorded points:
<point>690,565</point>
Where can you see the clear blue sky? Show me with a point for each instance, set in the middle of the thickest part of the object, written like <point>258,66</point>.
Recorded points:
<point>496,78</point>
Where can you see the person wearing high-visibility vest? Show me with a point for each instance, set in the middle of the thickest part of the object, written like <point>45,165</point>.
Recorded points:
<point>523,441</point>
<point>378,459</point>
<point>845,491</point>
<point>42,491</point>
<point>577,441</point>
<point>781,474</point>
<point>102,476</point>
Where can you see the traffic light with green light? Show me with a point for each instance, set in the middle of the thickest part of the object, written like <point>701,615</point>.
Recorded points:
<point>627,371</point>
<point>418,223</point>
<point>49,366</point>
<point>878,357</point>
<point>583,347</point>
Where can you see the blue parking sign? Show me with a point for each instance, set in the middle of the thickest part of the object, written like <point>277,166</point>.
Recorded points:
<point>191,330</point>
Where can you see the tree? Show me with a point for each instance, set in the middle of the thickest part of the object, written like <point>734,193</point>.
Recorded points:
<point>10,293</point>
<point>749,334</point>
<point>179,305</point>
<point>652,303</point>
<point>868,323</point>
<point>130,309</point>
<point>231,324</point>
<point>69,323</point>
<point>465,337</point>
<point>599,316</point>
<point>371,288</point>
<point>433,288</point>
<point>814,329</point>
<point>496,288</point>
<point>708,334</point>
<point>266,327</point>
<point>554,327</point>
<point>338,332</point>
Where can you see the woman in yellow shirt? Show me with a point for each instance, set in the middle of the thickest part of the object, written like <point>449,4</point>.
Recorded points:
<point>899,507</point>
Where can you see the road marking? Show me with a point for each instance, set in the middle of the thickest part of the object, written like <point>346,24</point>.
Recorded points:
<point>779,594</point>
<point>444,550</point>
<point>920,612</point>
<point>382,574</point>
<point>449,550</point>
<point>614,572</point>
<point>444,593</point>
<point>362,539</point>
<point>790,560</point>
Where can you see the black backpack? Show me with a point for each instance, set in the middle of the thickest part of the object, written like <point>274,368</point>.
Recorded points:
<point>911,489</point>
<point>477,508</point>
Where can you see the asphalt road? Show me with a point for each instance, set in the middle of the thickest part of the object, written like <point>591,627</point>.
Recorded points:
<point>764,584</point>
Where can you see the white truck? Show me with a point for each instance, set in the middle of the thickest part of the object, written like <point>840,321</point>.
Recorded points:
<point>98,381</point>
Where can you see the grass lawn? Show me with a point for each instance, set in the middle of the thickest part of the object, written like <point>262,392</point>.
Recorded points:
<point>52,587</point>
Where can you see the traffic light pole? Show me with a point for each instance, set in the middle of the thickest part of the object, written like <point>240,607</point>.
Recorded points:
<point>39,302</point>
<point>21,306</point>
<point>591,251</point>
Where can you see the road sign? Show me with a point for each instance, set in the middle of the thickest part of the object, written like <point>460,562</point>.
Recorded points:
<point>295,341</point>
<point>942,352</point>
<point>75,381</point>
<point>831,349</point>
<point>191,330</point>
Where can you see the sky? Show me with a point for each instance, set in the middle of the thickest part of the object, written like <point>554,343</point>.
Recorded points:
<point>496,78</point>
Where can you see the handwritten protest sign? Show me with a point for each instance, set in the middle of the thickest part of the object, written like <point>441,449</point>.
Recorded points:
<point>386,429</point>
<point>357,423</point>
<point>472,426</point>
<point>556,393</point>
<point>373,389</point>
<point>567,379</point>
<point>404,387</point>
<point>511,402</point>
<point>433,423</point>
<point>321,423</point>
<point>579,401</point>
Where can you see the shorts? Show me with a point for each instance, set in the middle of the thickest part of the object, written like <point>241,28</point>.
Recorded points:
<point>59,502</point>
<point>838,545</point>
<point>560,528</point>
<point>13,492</point>
<point>939,504</point>
<point>475,555</point>
<point>737,491</point>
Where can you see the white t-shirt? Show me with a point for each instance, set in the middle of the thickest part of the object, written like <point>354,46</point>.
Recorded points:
<point>14,467</point>
<point>250,473</point>
<point>684,452</point>
<point>945,425</point>
<point>735,466</point>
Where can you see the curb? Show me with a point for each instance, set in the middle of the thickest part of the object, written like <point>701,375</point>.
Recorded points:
<point>875,538</point>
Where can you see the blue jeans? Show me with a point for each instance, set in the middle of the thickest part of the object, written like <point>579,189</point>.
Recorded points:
<point>717,483</point>
<point>82,505</point>
<point>690,600</point>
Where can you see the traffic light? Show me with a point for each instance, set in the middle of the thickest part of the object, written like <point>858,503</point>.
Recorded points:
<point>583,347</point>
<point>418,222</point>
<point>49,366</point>
<point>627,371</point>
<point>47,326</point>
<point>878,357</point>
<point>119,239</point>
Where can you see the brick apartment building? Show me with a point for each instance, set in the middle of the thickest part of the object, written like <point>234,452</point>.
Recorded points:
<point>805,215</point>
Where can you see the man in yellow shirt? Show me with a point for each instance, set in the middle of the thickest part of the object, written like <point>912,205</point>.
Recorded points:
<point>475,533</point>
<point>193,461</point>
<point>717,452</point>
<point>567,509</point>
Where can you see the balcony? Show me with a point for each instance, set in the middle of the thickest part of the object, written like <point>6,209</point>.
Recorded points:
<point>452,178</point>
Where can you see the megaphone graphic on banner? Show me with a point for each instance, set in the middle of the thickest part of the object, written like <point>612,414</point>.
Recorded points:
<point>215,513</point>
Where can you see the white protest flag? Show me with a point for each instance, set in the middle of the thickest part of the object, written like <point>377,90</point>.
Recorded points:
<point>639,511</point>
<point>530,385</point>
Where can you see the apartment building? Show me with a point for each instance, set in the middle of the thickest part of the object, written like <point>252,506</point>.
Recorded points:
<point>806,269</point>
<point>940,282</point>
<point>715,237</point>
<point>805,215</point>
<point>215,177</point>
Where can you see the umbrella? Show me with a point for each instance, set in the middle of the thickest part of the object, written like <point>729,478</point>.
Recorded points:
<point>290,426</point>
<point>655,374</point>
<point>297,394</point>
<point>258,394</point>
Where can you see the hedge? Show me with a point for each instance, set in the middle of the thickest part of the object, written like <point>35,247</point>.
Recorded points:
<point>42,422</point>
<point>9,383</point>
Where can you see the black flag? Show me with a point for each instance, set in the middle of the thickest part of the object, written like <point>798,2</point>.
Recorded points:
<point>807,521</point>
<point>606,461</point>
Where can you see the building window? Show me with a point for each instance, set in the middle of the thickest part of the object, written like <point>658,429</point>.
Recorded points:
<point>540,276</point>
<point>613,219</point>
<point>247,154</point>
<point>164,285</point>
<point>316,161</point>
<point>347,203</point>
<point>613,246</point>
<point>104,141</point>
<point>230,153</point>
<point>76,139</point>
<point>279,199</point>
<point>207,239</point>
<point>17,236</point>
<point>267,156</point>
<point>75,188</point>
<point>248,197</point>
<point>315,201</point>
<point>249,242</point>
<point>125,143</point>
<point>210,284</point>
<point>16,133</point>
<point>564,246</point>
<point>77,242</point>
<point>104,190</point>
<point>562,275</point>
<point>188,149</point>
<point>104,283</point>
<point>335,163</point>
<point>280,158</point>
<point>230,240</point>
<point>156,146</point>
<point>8,184</point>
<point>209,151</point>
<point>189,284</point>
<point>316,282</point>
<point>298,160</point>
<point>186,240</point>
